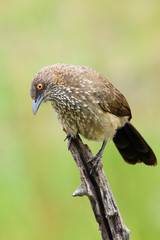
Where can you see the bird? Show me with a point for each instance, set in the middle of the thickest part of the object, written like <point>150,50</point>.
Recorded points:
<point>86,103</point>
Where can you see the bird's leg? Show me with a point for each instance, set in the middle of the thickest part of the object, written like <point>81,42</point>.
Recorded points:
<point>97,159</point>
<point>70,139</point>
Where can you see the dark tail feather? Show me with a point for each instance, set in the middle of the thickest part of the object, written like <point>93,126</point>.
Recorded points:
<point>133,147</point>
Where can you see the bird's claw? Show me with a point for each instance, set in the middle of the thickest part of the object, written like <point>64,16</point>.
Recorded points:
<point>96,160</point>
<point>70,138</point>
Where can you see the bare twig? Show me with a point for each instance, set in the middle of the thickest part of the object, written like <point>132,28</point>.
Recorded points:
<point>97,189</point>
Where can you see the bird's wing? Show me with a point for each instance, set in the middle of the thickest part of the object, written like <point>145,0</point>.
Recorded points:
<point>111,100</point>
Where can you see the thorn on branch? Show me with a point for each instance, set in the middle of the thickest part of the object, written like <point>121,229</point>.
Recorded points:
<point>80,191</point>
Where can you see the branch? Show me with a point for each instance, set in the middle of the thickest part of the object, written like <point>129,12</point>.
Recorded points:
<point>97,189</point>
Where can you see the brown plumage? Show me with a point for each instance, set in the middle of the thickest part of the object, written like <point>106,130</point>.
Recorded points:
<point>87,103</point>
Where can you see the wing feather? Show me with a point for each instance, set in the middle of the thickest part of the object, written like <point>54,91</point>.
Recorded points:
<point>110,99</point>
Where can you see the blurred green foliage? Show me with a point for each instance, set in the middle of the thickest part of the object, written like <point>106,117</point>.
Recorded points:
<point>120,39</point>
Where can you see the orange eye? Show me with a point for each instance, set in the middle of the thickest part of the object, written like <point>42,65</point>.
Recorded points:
<point>40,86</point>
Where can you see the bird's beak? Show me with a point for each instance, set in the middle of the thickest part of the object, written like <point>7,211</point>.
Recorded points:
<point>36,103</point>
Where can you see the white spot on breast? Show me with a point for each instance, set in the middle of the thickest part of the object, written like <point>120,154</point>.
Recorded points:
<point>83,97</point>
<point>85,105</point>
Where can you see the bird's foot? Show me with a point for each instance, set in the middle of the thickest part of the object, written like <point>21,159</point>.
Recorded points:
<point>96,161</point>
<point>70,139</point>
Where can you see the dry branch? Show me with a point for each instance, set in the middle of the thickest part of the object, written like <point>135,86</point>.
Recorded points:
<point>97,189</point>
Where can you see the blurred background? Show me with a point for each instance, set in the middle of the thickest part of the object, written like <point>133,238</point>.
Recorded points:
<point>121,40</point>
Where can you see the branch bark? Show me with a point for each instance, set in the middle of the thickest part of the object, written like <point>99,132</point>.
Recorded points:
<point>97,189</point>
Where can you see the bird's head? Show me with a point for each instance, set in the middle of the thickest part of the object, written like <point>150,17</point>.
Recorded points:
<point>42,87</point>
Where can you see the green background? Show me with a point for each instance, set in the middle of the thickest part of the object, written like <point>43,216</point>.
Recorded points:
<point>120,39</point>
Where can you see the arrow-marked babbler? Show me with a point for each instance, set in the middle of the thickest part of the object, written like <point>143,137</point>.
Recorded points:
<point>87,103</point>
